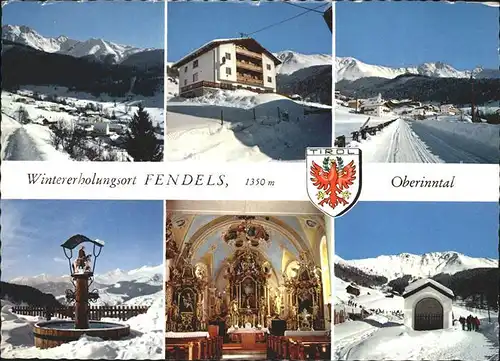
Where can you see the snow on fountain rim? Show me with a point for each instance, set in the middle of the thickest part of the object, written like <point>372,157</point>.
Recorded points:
<point>119,326</point>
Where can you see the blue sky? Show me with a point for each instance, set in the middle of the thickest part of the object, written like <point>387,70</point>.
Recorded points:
<point>33,230</point>
<point>192,24</point>
<point>464,35</point>
<point>135,23</point>
<point>373,229</point>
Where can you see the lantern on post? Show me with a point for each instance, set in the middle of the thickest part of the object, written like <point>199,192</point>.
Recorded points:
<point>82,272</point>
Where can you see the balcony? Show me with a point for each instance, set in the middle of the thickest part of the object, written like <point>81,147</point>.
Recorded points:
<point>251,54</point>
<point>248,66</point>
<point>250,81</point>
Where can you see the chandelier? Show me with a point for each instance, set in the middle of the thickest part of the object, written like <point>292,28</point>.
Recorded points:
<point>246,233</point>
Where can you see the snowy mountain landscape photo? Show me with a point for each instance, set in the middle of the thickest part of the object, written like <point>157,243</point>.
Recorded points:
<point>82,279</point>
<point>252,82</point>
<point>416,281</point>
<point>75,91</point>
<point>429,94</point>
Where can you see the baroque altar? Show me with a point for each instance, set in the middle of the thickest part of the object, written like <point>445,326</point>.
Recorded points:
<point>305,297</point>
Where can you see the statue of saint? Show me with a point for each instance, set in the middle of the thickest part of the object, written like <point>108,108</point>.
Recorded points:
<point>82,262</point>
<point>234,313</point>
<point>217,305</point>
<point>277,303</point>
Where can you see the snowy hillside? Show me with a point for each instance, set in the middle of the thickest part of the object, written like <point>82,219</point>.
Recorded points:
<point>293,61</point>
<point>256,127</point>
<point>98,48</point>
<point>426,265</point>
<point>352,69</point>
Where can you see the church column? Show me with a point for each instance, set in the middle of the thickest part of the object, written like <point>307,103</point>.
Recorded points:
<point>281,290</point>
<point>211,301</point>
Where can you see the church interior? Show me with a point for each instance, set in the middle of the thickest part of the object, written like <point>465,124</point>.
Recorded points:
<point>247,280</point>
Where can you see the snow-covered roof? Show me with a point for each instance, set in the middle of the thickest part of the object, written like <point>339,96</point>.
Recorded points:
<point>424,282</point>
<point>216,42</point>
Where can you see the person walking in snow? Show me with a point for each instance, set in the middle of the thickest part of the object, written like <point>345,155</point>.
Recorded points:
<point>462,322</point>
<point>468,320</point>
<point>477,323</point>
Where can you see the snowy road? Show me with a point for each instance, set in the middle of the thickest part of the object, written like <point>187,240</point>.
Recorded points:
<point>453,148</point>
<point>417,142</point>
<point>20,146</point>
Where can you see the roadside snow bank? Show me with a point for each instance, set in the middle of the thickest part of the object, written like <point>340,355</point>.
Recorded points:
<point>487,134</point>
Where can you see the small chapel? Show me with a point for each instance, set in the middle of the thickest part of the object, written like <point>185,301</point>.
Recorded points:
<point>248,283</point>
<point>427,305</point>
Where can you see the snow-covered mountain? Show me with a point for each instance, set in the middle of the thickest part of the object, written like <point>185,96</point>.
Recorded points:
<point>293,61</point>
<point>115,287</point>
<point>96,48</point>
<point>426,265</point>
<point>352,69</point>
<point>146,274</point>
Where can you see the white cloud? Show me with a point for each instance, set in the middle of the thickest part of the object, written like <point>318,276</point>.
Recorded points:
<point>487,3</point>
<point>60,260</point>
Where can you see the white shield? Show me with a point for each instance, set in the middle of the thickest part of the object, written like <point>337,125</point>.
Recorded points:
<point>333,179</point>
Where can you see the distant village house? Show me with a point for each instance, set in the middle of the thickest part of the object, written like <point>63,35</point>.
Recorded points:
<point>227,64</point>
<point>352,290</point>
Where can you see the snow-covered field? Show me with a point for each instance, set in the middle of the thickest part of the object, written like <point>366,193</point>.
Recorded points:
<point>33,141</point>
<point>145,342</point>
<point>384,337</point>
<point>442,140</point>
<point>251,129</point>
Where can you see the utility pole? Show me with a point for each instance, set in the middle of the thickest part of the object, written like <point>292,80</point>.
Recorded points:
<point>473,110</point>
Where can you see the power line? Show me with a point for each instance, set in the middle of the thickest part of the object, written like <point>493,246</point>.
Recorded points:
<point>302,7</point>
<point>288,19</point>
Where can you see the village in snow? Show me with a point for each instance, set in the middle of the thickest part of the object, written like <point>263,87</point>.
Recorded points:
<point>66,109</point>
<point>379,117</point>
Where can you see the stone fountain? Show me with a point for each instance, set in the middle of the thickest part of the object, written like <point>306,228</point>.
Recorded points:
<point>54,333</point>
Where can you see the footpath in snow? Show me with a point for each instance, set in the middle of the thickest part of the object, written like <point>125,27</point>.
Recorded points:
<point>432,141</point>
<point>377,338</point>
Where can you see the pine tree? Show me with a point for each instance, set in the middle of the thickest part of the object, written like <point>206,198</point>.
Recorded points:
<point>142,144</point>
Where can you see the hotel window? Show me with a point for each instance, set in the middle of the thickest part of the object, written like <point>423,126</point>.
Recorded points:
<point>195,77</point>
<point>228,71</point>
<point>185,82</point>
<point>185,69</point>
<point>195,63</point>
<point>269,80</point>
<point>228,56</point>
<point>268,66</point>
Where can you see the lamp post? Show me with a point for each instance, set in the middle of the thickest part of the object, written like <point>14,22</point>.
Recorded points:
<point>82,272</point>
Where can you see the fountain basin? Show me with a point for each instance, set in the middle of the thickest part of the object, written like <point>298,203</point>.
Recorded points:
<point>54,333</point>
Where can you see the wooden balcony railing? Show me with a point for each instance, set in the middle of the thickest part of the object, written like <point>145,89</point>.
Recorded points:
<point>249,66</point>
<point>249,81</point>
<point>248,53</point>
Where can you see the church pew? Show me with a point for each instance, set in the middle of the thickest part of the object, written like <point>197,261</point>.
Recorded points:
<point>195,348</point>
<point>309,350</point>
<point>298,348</point>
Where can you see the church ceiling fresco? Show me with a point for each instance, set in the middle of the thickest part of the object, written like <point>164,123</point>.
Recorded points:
<point>288,235</point>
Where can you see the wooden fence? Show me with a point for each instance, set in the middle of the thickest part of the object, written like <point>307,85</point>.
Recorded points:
<point>340,141</point>
<point>96,313</point>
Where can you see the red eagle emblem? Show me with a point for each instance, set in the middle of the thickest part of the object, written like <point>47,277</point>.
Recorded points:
<point>333,180</point>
